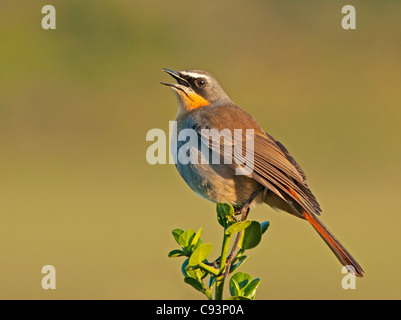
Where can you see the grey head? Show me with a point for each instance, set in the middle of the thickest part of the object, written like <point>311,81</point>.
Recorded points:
<point>197,88</point>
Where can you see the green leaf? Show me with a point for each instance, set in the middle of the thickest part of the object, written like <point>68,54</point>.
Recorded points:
<point>224,211</point>
<point>197,236</point>
<point>242,286</point>
<point>176,234</point>
<point>238,282</point>
<point>238,226</point>
<point>235,290</point>
<point>184,267</point>
<point>252,236</point>
<point>239,298</point>
<point>195,284</point>
<point>196,241</point>
<point>250,289</point>
<point>200,254</point>
<point>185,238</point>
<point>190,271</point>
<point>265,225</point>
<point>212,281</point>
<point>197,273</point>
<point>176,253</point>
<point>236,264</point>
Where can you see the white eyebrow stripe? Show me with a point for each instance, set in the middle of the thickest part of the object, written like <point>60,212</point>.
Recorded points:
<point>193,74</point>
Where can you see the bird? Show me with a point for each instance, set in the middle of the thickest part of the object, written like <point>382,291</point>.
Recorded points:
<point>275,178</point>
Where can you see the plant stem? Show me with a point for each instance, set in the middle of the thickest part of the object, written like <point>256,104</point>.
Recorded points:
<point>209,269</point>
<point>219,288</point>
<point>231,257</point>
<point>223,259</point>
<point>224,251</point>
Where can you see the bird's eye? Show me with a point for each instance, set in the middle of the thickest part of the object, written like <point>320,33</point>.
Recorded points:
<point>200,83</point>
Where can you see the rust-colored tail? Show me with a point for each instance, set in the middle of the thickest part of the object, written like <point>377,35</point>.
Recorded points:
<point>341,253</point>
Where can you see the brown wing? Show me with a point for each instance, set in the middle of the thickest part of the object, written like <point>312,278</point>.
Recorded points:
<point>271,164</point>
<point>277,166</point>
<point>288,155</point>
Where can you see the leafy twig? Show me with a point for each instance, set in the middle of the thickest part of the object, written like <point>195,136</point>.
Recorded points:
<point>196,267</point>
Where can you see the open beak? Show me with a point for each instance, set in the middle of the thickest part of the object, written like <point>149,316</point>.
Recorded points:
<point>189,99</point>
<point>180,81</point>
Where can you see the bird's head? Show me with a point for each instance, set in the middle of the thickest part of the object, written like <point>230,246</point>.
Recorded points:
<point>196,88</point>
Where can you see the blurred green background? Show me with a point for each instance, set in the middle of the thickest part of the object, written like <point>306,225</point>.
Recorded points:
<point>76,103</point>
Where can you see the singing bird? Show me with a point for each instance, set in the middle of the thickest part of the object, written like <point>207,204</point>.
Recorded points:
<point>275,179</point>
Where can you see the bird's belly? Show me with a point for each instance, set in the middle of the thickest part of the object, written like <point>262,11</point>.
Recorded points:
<point>217,182</point>
<point>209,178</point>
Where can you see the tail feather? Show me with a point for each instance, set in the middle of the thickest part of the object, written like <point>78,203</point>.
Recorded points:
<point>341,253</point>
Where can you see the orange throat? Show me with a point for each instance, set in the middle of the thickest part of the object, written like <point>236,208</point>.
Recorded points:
<point>192,101</point>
